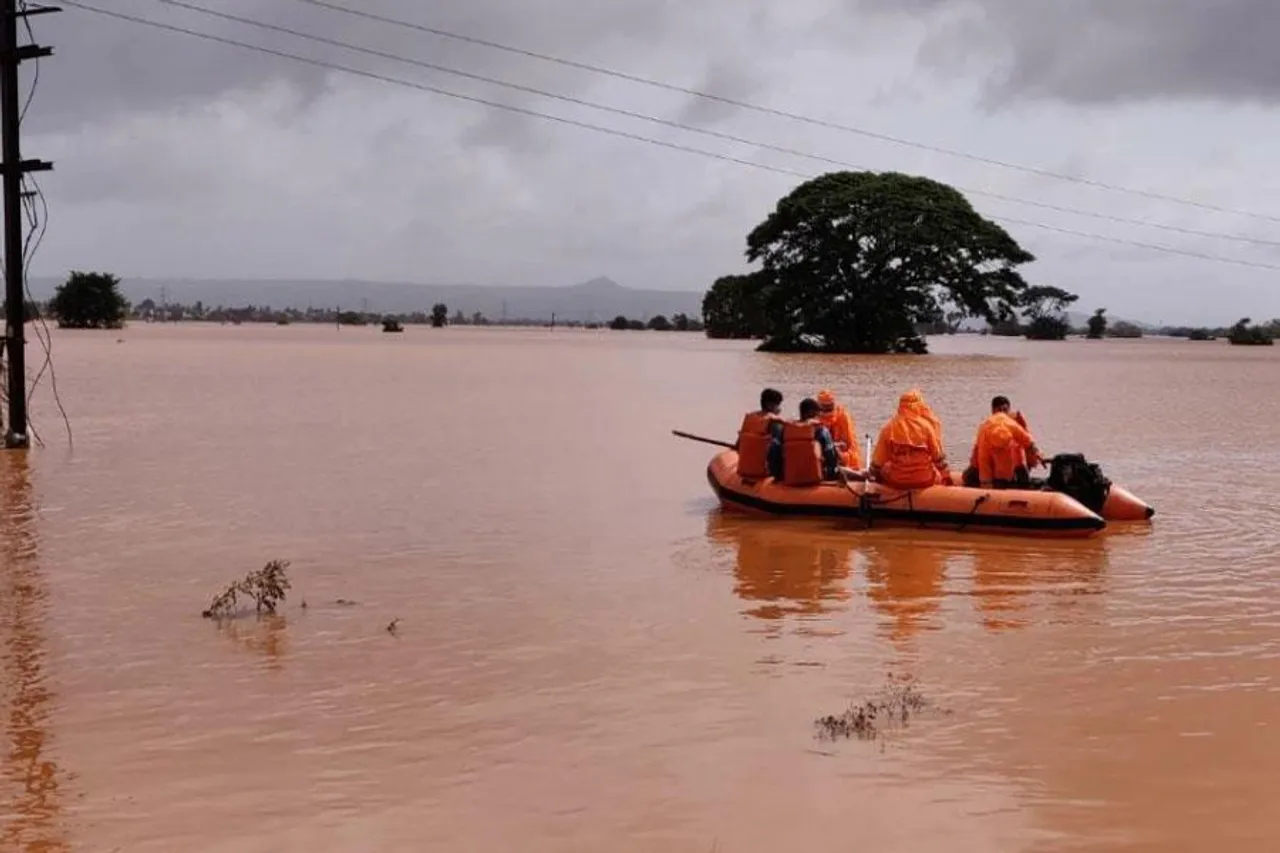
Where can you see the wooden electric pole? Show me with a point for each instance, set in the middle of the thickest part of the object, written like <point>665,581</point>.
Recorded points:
<point>13,168</point>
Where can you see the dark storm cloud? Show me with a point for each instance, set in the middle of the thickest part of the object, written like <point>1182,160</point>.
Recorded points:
<point>1106,51</point>
<point>103,66</point>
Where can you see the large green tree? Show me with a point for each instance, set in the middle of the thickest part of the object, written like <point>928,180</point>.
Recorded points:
<point>1046,307</point>
<point>1098,324</point>
<point>856,261</point>
<point>735,307</point>
<point>90,300</point>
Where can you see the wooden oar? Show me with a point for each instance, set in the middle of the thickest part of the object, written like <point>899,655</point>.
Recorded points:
<point>704,440</point>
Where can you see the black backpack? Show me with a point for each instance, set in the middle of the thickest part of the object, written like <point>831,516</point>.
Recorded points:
<point>1083,480</point>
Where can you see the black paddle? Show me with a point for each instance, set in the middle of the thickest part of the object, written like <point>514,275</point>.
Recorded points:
<point>714,441</point>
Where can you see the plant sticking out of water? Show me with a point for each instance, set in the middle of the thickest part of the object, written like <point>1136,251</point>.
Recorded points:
<point>893,707</point>
<point>267,587</point>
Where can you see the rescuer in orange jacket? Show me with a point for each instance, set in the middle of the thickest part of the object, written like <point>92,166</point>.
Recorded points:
<point>1004,450</point>
<point>760,438</point>
<point>809,454</point>
<point>908,453</point>
<point>837,419</point>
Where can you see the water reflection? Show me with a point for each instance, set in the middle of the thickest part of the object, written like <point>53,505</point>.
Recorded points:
<point>806,569</point>
<point>1008,580</point>
<point>262,634</point>
<point>782,570</point>
<point>904,584</point>
<point>32,777</point>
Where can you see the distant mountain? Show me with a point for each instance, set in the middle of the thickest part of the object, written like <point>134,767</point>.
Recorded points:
<point>600,299</point>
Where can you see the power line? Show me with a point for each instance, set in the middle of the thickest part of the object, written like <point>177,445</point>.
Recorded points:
<point>692,129</point>
<point>759,108</point>
<point>370,75</point>
<point>38,226</point>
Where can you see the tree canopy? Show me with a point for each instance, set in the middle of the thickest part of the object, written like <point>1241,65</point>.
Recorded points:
<point>856,261</point>
<point>1098,324</point>
<point>1046,307</point>
<point>439,315</point>
<point>735,307</point>
<point>89,300</point>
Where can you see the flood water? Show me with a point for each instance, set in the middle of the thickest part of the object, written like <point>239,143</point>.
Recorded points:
<point>589,655</point>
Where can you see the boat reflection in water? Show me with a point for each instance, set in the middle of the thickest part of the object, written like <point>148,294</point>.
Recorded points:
<point>913,580</point>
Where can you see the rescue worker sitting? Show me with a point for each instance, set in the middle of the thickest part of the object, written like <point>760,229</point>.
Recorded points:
<point>1004,450</point>
<point>908,453</point>
<point>760,439</point>
<point>809,453</point>
<point>837,419</point>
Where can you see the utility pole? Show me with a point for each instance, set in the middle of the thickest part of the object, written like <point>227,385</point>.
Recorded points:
<point>14,167</point>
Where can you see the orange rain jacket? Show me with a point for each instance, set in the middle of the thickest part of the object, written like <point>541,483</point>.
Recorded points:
<point>908,453</point>
<point>842,427</point>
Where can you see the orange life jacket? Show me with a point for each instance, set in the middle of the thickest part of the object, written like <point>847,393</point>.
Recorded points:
<point>1001,448</point>
<point>754,439</point>
<point>801,455</point>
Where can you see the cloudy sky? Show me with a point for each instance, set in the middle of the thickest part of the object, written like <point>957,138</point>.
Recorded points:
<point>180,157</point>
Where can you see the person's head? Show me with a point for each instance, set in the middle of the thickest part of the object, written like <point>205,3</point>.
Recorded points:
<point>809,409</point>
<point>911,401</point>
<point>1000,403</point>
<point>771,401</point>
<point>826,401</point>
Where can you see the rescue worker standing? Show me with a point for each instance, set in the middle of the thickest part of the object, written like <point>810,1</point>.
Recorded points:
<point>760,438</point>
<point>837,419</point>
<point>1004,450</point>
<point>908,453</point>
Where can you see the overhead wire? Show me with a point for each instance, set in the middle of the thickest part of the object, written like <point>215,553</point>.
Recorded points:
<point>780,113</point>
<point>431,66</point>
<point>424,87</point>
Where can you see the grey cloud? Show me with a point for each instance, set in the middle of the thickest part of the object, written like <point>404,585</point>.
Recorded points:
<point>728,77</point>
<point>103,66</point>
<point>1104,51</point>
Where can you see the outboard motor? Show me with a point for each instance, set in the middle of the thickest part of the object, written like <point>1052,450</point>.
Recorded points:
<point>1083,480</point>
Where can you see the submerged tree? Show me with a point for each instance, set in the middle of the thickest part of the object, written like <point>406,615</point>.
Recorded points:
<point>1046,307</point>
<point>1098,324</point>
<point>855,261</point>
<point>1242,334</point>
<point>734,307</point>
<point>90,300</point>
<point>439,315</point>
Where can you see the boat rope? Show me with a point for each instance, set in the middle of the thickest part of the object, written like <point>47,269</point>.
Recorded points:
<point>977,502</point>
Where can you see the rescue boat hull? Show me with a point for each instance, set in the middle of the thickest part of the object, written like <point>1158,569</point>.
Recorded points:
<point>1010,511</point>
<point>1121,504</point>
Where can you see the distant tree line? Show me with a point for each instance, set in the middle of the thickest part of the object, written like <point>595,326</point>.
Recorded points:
<point>658,323</point>
<point>150,312</point>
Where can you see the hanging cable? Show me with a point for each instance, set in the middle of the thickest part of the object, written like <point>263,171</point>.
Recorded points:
<point>370,75</point>
<point>37,226</point>
<point>759,108</point>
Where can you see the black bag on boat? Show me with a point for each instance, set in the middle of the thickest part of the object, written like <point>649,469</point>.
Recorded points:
<point>1083,480</point>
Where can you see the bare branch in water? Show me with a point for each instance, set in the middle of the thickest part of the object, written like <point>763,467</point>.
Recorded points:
<point>267,587</point>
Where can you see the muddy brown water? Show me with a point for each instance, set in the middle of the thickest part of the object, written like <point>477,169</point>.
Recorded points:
<point>590,655</point>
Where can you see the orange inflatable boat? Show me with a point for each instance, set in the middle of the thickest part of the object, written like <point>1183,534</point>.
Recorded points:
<point>1040,512</point>
<point>1118,503</point>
